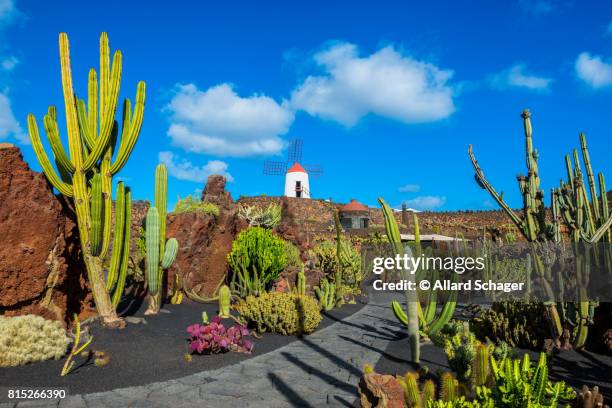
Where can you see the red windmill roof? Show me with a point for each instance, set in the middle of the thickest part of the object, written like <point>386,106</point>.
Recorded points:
<point>354,205</point>
<point>296,168</point>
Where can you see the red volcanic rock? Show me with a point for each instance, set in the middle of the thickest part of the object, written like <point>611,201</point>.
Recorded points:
<point>215,192</point>
<point>204,240</point>
<point>380,391</point>
<point>40,267</point>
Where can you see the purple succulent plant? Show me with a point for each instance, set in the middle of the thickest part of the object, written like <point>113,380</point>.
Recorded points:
<point>214,338</point>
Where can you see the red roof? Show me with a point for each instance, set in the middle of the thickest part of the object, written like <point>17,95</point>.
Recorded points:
<point>354,205</point>
<point>296,168</point>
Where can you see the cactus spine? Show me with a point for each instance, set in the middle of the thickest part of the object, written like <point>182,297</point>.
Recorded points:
<point>85,172</point>
<point>448,388</point>
<point>224,301</point>
<point>480,365</point>
<point>411,390</point>
<point>429,392</point>
<point>156,244</point>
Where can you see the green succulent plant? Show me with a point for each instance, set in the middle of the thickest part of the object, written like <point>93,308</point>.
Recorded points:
<point>279,312</point>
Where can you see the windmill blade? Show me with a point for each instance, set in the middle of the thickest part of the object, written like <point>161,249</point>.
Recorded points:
<point>294,153</point>
<point>274,168</point>
<point>313,170</point>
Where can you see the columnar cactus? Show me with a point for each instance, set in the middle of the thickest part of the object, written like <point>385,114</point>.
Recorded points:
<point>156,244</point>
<point>480,366</point>
<point>326,294</point>
<point>587,221</point>
<point>301,283</point>
<point>412,302</point>
<point>84,172</point>
<point>224,301</point>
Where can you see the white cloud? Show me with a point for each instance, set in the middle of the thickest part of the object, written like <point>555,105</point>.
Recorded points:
<point>185,170</point>
<point>7,9</point>
<point>9,126</point>
<point>593,70</point>
<point>385,83</point>
<point>9,63</point>
<point>409,188</point>
<point>517,76</point>
<point>218,121</point>
<point>426,202</point>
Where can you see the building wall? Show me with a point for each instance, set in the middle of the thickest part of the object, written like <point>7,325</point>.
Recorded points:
<point>290,181</point>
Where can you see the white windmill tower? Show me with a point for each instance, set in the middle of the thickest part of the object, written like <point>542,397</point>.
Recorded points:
<point>297,183</point>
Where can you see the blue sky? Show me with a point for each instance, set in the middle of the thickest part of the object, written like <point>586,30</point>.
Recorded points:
<point>386,95</point>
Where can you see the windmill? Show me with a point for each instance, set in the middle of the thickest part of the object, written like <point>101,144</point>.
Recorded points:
<point>296,175</point>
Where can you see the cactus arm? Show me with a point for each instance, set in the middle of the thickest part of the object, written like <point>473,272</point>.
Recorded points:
<point>92,102</point>
<point>482,181</point>
<point>447,313</point>
<point>590,176</point>
<point>84,126</point>
<point>399,313</point>
<point>604,203</point>
<point>107,196</point>
<point>120,226</point>
<point>43,159</point>
<point>50,123</point>
<point>74,137</point>
<point>97,215</point>
<point>107,118</point>
<point>597,235</point>
<point>170,253</point>
<point>127,145</point>
<point>125,253</point>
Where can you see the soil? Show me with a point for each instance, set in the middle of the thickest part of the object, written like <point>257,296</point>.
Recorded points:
<point>145,353</point>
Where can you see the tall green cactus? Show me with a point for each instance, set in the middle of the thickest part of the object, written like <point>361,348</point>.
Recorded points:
<point>412,301</point>
<point>84,172</point>
<point>156,244</point>
<point>587,221</point>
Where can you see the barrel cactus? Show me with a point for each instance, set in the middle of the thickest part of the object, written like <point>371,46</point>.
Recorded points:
<point>30,338</point>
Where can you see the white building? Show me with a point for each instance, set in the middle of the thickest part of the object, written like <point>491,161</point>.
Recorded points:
<point>296,182</point>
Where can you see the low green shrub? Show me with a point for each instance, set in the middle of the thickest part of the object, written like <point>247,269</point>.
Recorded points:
<point>279,312</point>
<point>520,324</point>
<point>257,258</point>
<point>27,339</point>
<point>194,204</point>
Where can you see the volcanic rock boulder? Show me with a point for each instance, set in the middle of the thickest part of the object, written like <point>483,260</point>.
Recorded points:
<point>380,391</point>
<point>40,267</point>
<point>215,192</point>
